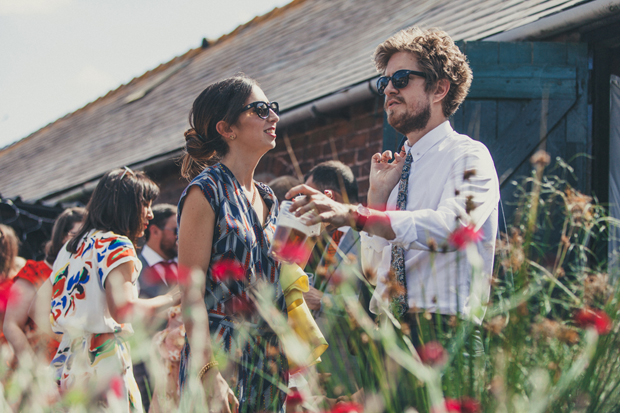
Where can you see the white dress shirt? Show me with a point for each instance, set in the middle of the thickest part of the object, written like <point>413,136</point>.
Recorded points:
<point>441,282</point>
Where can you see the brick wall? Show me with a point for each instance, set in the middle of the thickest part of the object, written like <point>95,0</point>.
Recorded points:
<point>351,136</point>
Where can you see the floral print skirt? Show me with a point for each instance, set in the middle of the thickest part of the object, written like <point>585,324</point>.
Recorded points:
<point>99,364</point>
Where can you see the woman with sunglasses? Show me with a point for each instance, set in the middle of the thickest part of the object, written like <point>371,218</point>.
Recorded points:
<point>93,293</point>
<point>226,224</point>
<point>18,328</point>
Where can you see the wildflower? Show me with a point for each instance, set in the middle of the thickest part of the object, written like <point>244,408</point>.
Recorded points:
<point>464,405</point>
<point>468,174</point>
<point>579,206</point>
<point>598,319</point>
<point>496,324</point>
<point>470,205</point>
<point>297,253</point>
<point>294,398</point>
<point>433,354</point>
<point>463,236</point>
<point>349,407</point>
<point>432,244</point>
<point>183,275</point>
<point>596,288</point>
<point>393,287</point>
<point>540,159</point>
<point>116,384</point>
<point>227,268</point>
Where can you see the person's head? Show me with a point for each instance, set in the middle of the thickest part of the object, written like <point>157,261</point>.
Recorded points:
<point>161,234</point>
<point>9,246</point>
<point>282,184</point>
<point>336,177</point>
<point>67,225</point>
<point>233,114</point>
<point>439,88</point>
<point>120,203</point>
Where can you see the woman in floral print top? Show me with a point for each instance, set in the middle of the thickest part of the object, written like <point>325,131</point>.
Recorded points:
<point>93,293</point>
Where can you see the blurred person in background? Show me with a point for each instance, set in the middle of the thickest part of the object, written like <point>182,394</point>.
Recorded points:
<point>10,262</point>
<point>282,184</point>
<point>159,274</point>
<point>93,293</point>
<point>18,327</point>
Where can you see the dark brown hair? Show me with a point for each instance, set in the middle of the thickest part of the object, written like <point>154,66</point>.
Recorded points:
<point>336,176</point>
<point>161,214</point>
<point>64,223</point>
<point>9,245</point>
<point>204,145</point>
<point>116,205</point>
<point>438,57</point>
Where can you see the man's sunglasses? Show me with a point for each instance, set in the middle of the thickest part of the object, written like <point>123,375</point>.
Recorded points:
<point>400,79</point>
<point>262,108</point>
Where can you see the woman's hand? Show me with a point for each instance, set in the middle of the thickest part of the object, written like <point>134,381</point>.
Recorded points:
<point>324,209</point>
<point>383,177</point>
<point>220,397</point>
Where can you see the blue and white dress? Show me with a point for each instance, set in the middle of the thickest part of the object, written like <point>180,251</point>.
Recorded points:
<point>238,235</point>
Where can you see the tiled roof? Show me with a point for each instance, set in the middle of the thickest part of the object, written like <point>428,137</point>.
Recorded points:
<point>298,53</point>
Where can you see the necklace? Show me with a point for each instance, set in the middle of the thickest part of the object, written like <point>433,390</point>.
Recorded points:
<point>254,191</point>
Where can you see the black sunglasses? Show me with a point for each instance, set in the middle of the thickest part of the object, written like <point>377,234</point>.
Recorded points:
<point>400,79</point>
<point>262,108</point>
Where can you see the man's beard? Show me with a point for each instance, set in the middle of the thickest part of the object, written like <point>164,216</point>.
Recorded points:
<point>408,122</point>
<point>171,251</point>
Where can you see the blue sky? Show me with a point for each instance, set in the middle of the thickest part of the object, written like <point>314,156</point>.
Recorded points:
<point>58,55</point>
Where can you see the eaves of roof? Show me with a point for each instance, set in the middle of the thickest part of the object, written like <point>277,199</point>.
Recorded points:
<point>307,50</point>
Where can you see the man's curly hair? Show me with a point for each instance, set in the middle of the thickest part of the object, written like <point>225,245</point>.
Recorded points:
<point>437,56</point>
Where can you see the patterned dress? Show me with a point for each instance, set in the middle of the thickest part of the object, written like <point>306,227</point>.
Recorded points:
<point>239,236</point>
<point>93,354</point>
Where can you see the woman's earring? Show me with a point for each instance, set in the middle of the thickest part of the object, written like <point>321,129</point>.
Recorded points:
<point>232,137</point>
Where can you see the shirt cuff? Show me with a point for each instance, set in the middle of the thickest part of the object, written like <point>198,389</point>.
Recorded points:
<point>403,225</point>
<point>374,242</point>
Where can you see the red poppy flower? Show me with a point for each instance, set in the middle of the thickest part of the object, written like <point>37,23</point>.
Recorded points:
<point>598,319</point>
<point>183,275</point>
<point>348,407</point>
<point>227,268</point>
<point>463,236</point>
<point>464,405</point>
<point>433,354</point>
<point>294,398</point>
<point>294,252</point>
<point>117,385</point>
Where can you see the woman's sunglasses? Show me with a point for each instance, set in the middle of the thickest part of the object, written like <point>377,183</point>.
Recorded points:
<point>262,108</point>
<point>400,79</point>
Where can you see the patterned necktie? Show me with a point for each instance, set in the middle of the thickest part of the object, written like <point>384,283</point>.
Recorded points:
<point>399,300</point>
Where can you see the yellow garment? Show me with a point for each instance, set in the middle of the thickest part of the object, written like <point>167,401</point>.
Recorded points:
<point>294,283</point>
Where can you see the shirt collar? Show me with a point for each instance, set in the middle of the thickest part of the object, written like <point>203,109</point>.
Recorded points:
<point>150,256</point>
<point>429,140</point>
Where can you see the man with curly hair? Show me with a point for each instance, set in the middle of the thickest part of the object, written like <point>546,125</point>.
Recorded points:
<point>431,222</point>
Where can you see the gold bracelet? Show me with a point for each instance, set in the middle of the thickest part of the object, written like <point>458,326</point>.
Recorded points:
<point>206,368</point>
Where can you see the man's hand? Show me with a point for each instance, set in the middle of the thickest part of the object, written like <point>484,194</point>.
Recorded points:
<point>383,177</point>
<point>313,298</point>
<point>323,208</point>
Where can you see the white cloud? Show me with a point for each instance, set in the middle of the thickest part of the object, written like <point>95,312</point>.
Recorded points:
<point>29,7</point>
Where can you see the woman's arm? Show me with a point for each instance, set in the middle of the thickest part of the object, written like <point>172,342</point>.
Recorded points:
<point>40,309</point>
<point>20,298</point>
<point>195,240</point>
<point>122,300</point>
